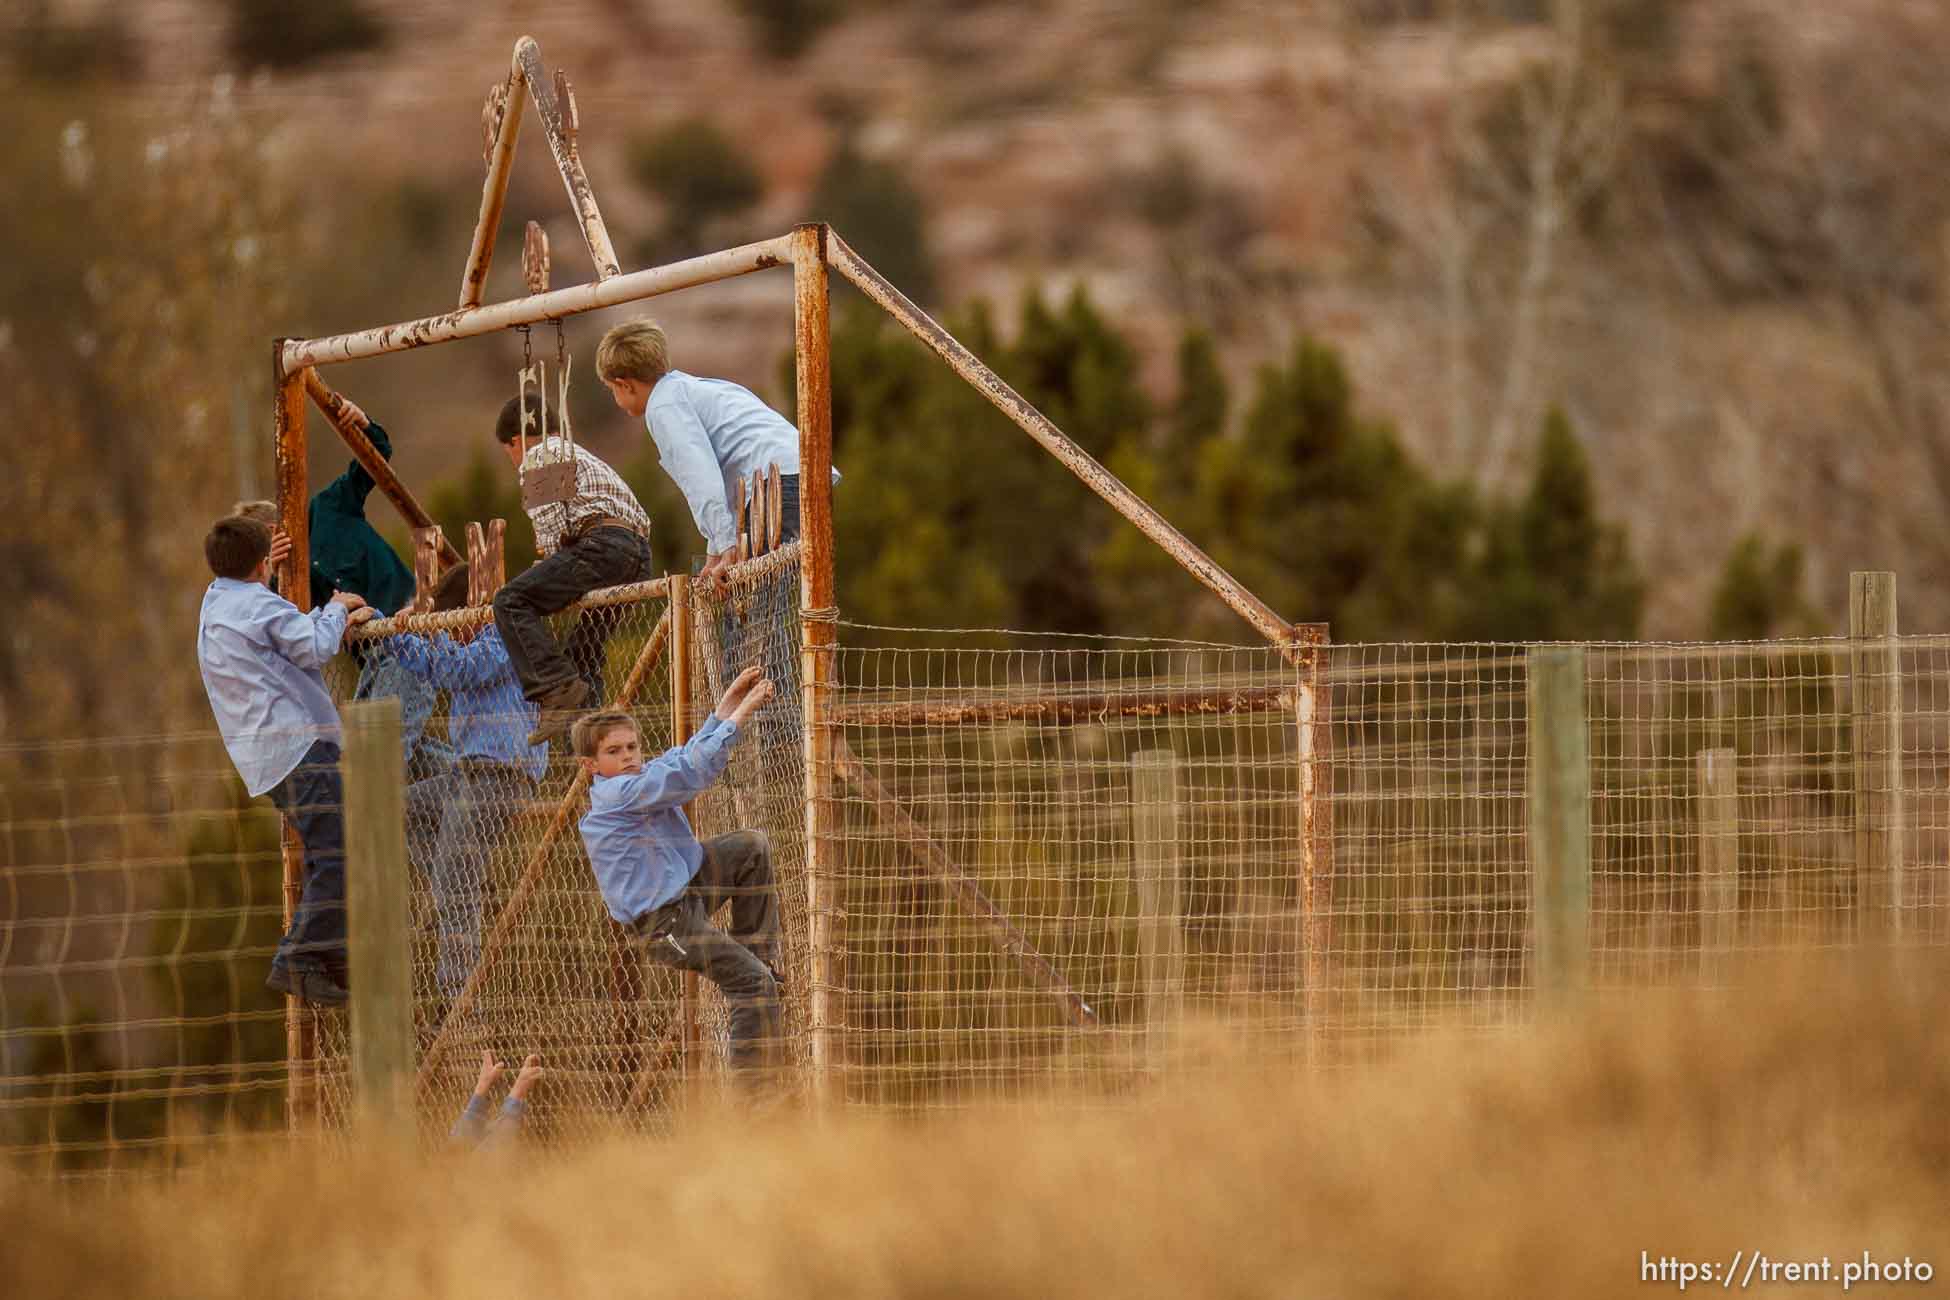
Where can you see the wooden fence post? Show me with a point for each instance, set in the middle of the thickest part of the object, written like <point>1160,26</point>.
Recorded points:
<point>378,919</point>
<point>1876,692</point>
<point>1717,815</point>
<point>1560,819</point>
<point>1154,872</point>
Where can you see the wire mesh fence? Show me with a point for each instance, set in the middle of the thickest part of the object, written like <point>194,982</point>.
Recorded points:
<point>1049,853</point>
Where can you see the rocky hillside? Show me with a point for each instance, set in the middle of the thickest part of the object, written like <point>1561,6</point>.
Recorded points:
<point>1708,232</point>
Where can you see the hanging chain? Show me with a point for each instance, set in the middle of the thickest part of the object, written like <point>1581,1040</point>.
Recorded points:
<point>527,354</point>
<point>561,351</point>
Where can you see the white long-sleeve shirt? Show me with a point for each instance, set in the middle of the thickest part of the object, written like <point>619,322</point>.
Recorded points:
<point>260,658</point>
<point>713,435</point>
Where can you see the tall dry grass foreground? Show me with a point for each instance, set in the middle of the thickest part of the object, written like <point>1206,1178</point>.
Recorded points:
<point>1809,1119</point>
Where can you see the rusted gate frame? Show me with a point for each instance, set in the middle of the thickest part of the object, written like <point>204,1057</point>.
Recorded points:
<point>811,249</point>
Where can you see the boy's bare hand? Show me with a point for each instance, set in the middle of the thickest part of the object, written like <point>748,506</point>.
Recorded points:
<point>735,693</point>
<point>350,599</point>
<point>361,615</point>
<point>280,546</point>
<point>755,699</point>
<point>716,566</point>
<point>531,1074</point>
<point>490,1073</point>
<point>357,416</point>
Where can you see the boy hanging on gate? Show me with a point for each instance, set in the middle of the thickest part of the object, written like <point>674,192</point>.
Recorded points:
<point>599,537</point>
<point>452,817</point>
<point>260,658</point>
<point>662,884</point>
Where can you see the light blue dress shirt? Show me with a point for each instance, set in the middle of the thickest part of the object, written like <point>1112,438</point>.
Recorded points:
<point>640,844</point>
<point>261,659</point>
<point>712,435</point>
<point>486,714</point>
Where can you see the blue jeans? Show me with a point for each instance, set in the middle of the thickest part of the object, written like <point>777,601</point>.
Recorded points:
<point>313,802</point>
<point>453,822</point>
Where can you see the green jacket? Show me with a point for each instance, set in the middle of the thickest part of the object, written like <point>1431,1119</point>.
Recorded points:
<point>347,552</point>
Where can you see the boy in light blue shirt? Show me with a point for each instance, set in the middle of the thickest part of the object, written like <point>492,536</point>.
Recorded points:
<point>662,885</point>
<point>260,659</point>
<point>452,817</point>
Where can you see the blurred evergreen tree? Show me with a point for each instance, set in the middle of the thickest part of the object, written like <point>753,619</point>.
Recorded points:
<point>703,180</point>
<point>1552,569</point>
<point>1759,594</point>
<point>880,215</point>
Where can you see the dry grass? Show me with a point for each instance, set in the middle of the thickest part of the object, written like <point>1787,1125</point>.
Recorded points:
<point>1805,1120</point>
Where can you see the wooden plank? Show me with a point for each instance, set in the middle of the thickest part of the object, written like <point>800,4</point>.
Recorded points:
<point>774,504</point>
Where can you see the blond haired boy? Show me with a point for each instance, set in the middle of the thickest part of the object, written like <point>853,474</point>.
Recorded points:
<point>712,434</point>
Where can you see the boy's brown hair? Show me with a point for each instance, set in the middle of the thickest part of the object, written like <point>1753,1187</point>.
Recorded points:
<point>507,425</point>
<point>591,731</point>
<point>265,512</point>
<point>636,349</point>
<point>235,546</point>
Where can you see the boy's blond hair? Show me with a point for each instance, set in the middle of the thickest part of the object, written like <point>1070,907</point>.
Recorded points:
<point>265,512</point>
<point>590,732</point>
<point>636,349</point>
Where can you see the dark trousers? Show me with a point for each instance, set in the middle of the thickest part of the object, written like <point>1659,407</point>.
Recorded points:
<point>313,801</point>
<point>607,557</point>
<point>737,867</point>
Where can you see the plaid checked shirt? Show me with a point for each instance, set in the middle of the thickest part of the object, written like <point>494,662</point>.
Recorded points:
<point>600,491</point>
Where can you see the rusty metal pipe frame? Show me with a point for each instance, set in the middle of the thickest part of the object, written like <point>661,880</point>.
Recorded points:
<point>378,466</point>
<point>825,903</point>
<point>300,1030</point>
<point>470,322</point>
<point>494,194</point>
<point>561,143</point>
<point>1079,462</point>
<point>1067,710</point>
